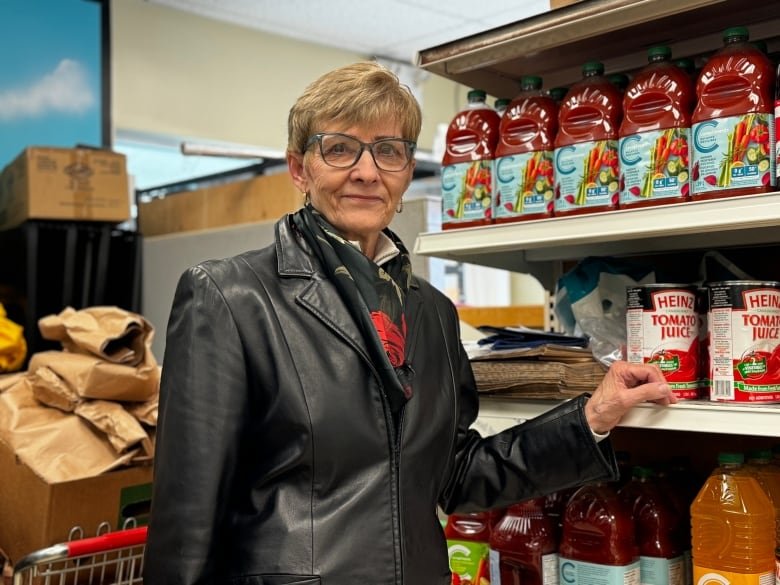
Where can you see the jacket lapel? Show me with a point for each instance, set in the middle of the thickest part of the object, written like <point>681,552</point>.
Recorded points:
<point>318,296</point>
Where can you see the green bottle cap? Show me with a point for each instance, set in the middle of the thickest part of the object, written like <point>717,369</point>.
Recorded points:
<point>641,472</point>
<point>724,458</point>
<point>735,33</point>
<point>592,68</point>
<point>558,93</point>
<point>530,82</point>
<point>760,455</point>
<point>619,80</point>
<point>659,53</point>
<point>476,95</point>
<point>685,64</point>
<point>501,103</point>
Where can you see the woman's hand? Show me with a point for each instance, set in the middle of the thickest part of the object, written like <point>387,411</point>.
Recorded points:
<point>625,385</point>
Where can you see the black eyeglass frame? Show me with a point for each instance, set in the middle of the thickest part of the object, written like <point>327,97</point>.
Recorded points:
<point>317,138</point>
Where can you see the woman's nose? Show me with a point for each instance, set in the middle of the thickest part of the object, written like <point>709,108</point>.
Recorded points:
<point>365,166</point>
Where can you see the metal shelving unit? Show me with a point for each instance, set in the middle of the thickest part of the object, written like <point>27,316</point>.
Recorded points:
<point>554,45</point>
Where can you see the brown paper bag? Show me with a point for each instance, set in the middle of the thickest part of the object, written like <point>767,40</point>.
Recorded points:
<point>55,445</point>
<point>51,390</point>
<point>92,377</point>
<point>111,333</point>
<point>121,428</point>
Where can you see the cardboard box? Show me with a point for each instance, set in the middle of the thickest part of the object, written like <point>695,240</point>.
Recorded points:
<point>35,514</point>
<point>263,198</point>
<point>64,183</point>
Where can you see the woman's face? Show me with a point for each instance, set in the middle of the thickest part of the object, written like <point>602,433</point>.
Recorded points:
<point>359,201</point>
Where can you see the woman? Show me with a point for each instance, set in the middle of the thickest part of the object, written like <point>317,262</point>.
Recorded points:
<point>316,400</point>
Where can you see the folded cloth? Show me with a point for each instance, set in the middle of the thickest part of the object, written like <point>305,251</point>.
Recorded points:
<point>517,337</point>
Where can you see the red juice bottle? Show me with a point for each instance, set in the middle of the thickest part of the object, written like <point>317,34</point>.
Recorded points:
<point>658,530</point>
<point>733,123</point>
<point>654,133</point>
<point>598,543</point>
<point>468,538</point>
<point>467,166</point>
<point>586,156</point>
<point>523,547</point>
<point>524,155</point>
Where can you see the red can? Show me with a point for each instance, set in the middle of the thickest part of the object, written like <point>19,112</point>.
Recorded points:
<point>744,331</point>
<point>663,329</point>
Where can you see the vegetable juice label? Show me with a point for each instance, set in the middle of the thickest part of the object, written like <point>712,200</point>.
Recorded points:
<point>469,560</point>
<point>744,322</point>
<point>707,576</point>
<point>467,189</point>
<point>549,568</point>
<point>777,157</point>
<point>524,184</point>
<point>662,325</point>
<point>586,175</point>
<point>733,152</point>
<point>654,165</point>
<point>581,573</point>
<point>658,571</point>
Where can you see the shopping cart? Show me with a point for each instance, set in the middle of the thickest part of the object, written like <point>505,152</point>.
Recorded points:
<point>114,558</point>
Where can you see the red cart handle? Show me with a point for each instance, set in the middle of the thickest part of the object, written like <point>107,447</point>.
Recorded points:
<point>107,542</point>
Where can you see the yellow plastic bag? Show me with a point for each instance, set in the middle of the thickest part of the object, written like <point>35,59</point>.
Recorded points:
<point>13,347</point>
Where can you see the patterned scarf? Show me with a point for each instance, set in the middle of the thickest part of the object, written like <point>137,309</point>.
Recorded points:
<point>374,296</point>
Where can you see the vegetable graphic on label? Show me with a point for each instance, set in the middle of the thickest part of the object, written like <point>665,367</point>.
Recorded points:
<point>747,151</point>
<point>599,173</point>
<point>668,163</point>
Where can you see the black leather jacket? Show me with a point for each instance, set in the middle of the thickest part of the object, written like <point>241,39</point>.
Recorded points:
<point>277,462</point>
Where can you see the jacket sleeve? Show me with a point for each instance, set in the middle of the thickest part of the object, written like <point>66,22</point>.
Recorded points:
<point>203,398</point>
<point>553,451</point>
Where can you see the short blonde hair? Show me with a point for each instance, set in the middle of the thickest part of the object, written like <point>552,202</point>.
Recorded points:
<point>362,93</point>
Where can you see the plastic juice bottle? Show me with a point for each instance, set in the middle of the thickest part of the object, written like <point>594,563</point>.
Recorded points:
<point>733,123</point>
<point>655,133</point>
<point>689,67</point>
<point>598,543</point>
<point>467,165</point>
<point>586,157</point>
<point>759,463</point>
<point>468,538</point>
<point>658,530</point>
<point>554,505</point>
<point>524,547</point>
<point>733,527</point>
<point>681,485</point>
<point>524,155</point>
<point>777,144</point>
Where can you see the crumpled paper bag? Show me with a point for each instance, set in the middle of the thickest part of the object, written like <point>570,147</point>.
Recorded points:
<point>57,446</point>
<point>89,376</point>
<point>113,334</point>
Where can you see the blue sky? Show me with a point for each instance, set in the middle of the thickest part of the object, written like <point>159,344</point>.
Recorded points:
<point>50,74</point>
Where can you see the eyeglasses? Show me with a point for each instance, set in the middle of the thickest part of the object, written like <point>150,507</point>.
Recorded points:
<point>343,151</point>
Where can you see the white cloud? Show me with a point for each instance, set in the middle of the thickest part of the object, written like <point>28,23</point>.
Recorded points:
<point>64,90</point>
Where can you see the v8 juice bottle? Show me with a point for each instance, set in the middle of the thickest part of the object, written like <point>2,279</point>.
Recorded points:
<point>658,530</point>
<point>468,537</point>
<point>733,123</point>
<point>732,526</point>
<point>654,134</point>
<point>598,544</point>
<point>524,547</point>
<point>524,155</point>
<point>586,157</point>
<point>467,165</point>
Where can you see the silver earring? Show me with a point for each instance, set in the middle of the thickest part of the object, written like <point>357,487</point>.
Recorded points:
<point>400,207</point>
<point>307,198</point>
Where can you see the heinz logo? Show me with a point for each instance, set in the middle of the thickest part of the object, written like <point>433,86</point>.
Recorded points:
<point>674,299</point>
<point>761,299</point>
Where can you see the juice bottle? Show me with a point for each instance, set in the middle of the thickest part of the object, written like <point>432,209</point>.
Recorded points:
<point>523,547</point>
<point>598,543</point>
<point>524,155</point>
<point>658,530</point>
<point>681,485</point>
<point>733,123</point>
<point>619,80</point>
<point>654,133</point>
<point>468,538</point>
<point>467,165</point>
<point>689,67</point>
<point>586,157</point>
<point>733,527</point>
<point>554,505</point>
<point>759,463</point>
<point>777,116</point>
